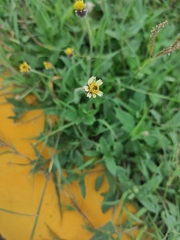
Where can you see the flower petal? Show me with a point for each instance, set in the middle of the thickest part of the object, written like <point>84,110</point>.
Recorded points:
<point>89,95</point>
<point>92,79</point>
<point>94,95</point>
<point>99,93</point>
<point>99,82</point>
<point>86,88</point>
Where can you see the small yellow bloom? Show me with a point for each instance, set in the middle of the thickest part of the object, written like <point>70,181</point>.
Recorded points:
<point>79,5</point>
<point>47,65</point>
<point>69,52</point>
<point>24,68</point>
<point>80,8</point>
<point>92,87</point>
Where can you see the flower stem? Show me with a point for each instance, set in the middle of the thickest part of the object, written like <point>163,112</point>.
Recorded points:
<point>76,91</point>
<point>39,209</point>
<point>90,43</point>
<point>144,64</point>
<point>56,131</point>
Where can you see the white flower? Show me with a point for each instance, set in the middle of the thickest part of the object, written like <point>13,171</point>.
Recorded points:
<point>92,87</point>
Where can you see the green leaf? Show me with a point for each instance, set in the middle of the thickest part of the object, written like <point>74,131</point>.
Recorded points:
<point>99,236</point>
<point>111,203</point>
<point>71,115</point>
<point>86,164</point>
<point>111,180</point>
<point>152,166</point>
<point>105,232</point>
<point>170,220</point>
<point>139,98</point>
<point>99,181</point>
<point>57,187</point>
<point>110,164</point>
<point>87,144</point>
<point>122,174</point>
<point>156,115</point>
<point>155,99</point>
<point>147,203</point>
<point>117,149</point>
<point>82,186</point>
<point>173,209</point>
<point>152,184</point>
<point>110,227</point>
<point>174,121</point>
<point>126,119</point>
<point>109,197</point>
<point>88,119</point>
<point>104,145</point>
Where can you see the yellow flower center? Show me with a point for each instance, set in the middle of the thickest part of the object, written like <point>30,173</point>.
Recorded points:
<point>24,67</point>
<point>79,5</point>
<point>93,88</point>
<point>47,65</point>
<point>69,51</point>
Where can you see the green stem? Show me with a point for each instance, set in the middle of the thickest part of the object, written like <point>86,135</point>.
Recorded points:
<point>39,73</point>
<point>144,64</point>
<point>149,93</point>
<point>51,155</point>
<point>76,92</point>
<point>55,71</point>
<point>90,43</point>
<point>39,209</point>
<point>26,92</point>
<point>55,131</point>
<point>17,213</point>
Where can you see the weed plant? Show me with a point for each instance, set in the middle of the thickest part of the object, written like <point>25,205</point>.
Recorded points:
<point>133,129</point>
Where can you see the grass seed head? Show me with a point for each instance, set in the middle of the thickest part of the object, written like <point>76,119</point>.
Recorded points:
<point>154,33</point>
<point>172,48</point>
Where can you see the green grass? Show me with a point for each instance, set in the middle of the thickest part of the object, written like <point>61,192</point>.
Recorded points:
<point>134,128</point>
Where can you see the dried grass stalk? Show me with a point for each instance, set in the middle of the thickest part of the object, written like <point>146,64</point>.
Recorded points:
<point>154,33</point>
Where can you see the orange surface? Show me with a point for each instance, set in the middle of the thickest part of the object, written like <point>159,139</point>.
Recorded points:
<point>21,191</point>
